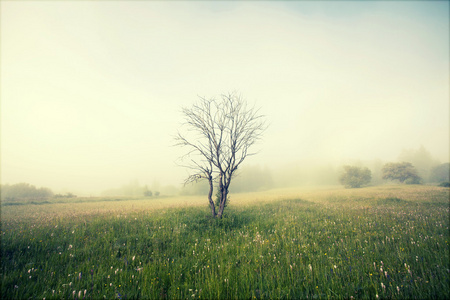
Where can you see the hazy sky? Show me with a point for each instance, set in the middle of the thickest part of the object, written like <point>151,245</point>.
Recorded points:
<point>91,91</point>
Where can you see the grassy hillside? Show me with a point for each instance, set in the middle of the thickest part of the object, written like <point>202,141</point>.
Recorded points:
<point>390,241</point>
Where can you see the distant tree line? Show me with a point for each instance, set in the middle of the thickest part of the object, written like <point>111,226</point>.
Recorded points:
<point>133,189</point>
<point>440,173</point>
<point>403,172</point>
<point>252,179</point>
<point>358,174</point>
<point>249,179</point>
<point>24,191</point>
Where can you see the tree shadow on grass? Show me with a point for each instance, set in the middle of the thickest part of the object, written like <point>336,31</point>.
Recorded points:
<point>233,219</point>
<point>238,218</point>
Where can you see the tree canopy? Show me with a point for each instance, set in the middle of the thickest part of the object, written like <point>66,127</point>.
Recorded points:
<point>355,177</point>
<point>404,172</point>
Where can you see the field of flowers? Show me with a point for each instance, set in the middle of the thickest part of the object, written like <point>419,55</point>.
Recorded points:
<point>376,242</point>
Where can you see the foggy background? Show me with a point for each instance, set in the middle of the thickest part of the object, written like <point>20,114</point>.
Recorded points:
<point>91,92</point>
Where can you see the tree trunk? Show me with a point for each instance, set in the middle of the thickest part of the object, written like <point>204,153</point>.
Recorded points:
<point>211,202</point>
<point>223,200</point>
<point>219,214</point>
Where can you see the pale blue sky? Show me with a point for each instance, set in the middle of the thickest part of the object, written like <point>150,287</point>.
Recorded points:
<point>91,91</point>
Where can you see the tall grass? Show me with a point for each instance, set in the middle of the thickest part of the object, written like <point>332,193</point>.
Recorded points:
<point>339,245</point>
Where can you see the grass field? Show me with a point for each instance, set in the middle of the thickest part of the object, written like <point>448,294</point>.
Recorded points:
<point>376,242</point>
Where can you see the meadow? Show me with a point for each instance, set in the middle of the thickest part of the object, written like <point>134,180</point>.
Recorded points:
<point>309,243</point>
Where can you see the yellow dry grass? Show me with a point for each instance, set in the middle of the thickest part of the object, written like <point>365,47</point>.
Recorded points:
<point>327,195</point>
<point>331,194</point>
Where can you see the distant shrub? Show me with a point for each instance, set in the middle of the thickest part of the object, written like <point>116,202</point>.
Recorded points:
<point>403,172</point>
<point>355,177</point>
<point>68,195</point>
<point>445,184</point>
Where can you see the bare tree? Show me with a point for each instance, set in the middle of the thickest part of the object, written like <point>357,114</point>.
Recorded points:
<point>219,136</point>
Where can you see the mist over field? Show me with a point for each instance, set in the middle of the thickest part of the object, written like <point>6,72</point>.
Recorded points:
<point>92,92</point>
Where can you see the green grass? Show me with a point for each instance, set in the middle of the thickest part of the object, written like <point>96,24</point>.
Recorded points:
<point>338,246</point>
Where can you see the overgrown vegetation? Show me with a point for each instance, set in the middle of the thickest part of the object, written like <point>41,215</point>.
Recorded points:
<point>331,244</point>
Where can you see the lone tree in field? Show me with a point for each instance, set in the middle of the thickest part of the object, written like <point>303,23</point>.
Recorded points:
<point>403,172</point>
<point>221,133</point>
<point>355,177</point>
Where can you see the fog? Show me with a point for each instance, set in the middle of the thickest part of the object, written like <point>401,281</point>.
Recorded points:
<point>91,92</point>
